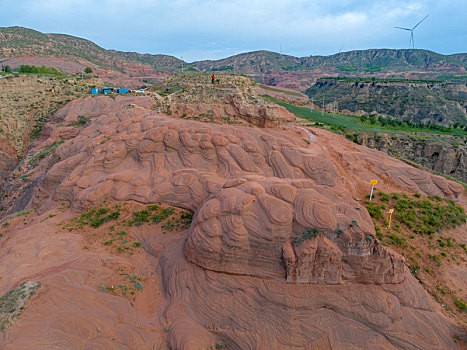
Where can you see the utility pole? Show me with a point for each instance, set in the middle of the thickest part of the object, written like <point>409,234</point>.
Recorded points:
<point>311,104</point>
<point>182,63</point>
<point>333,108</point>
<point>322,110</point>
<point>82,73</point>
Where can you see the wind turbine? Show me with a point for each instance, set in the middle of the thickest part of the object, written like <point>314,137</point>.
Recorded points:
<point>411,42</point>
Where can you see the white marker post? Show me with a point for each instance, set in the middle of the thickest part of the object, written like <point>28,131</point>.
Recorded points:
<point>373,184</point>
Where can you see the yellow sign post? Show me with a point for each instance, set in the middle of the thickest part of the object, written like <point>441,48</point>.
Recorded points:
<point>390,217</point>
<point>373,184</point>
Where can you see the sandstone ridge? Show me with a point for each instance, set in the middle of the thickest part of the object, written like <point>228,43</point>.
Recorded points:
<point>280,254</point>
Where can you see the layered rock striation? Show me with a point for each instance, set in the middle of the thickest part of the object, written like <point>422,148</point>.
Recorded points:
<point>280,254</point>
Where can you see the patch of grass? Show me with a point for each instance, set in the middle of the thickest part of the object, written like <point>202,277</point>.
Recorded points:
<point>135,280</point>
<point>220,345</point>
<point>398,240</point>
<point>460,303</point>
<point>355,123</point>
<point>12,303</point>
<point>21,213</point>
<point>95,217</point>
<point>44,152</point>
<point>292,93</point>
<point>81,121</point>
<point>346,122</point>
<point>379,234</point>
<point>426,216</point>
<point>376,210</point>
<point>162,215</point>
<point>436,258</point>
<point>140,216</point>
<point>384,196</point>
<point>308,234</point>
<point>156,214</point>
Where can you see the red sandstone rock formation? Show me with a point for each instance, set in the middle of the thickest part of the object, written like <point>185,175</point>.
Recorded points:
<point>239,273</point>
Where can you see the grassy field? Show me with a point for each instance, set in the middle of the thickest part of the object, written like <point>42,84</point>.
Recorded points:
<point>353,123</point>
<point>282,91</point>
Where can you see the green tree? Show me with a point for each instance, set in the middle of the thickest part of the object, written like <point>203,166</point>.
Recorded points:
<point>88,70</point>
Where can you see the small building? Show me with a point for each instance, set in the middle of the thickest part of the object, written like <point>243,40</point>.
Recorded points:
<point>94,91</point>
<point>106,90</point>
<point>122,91</point>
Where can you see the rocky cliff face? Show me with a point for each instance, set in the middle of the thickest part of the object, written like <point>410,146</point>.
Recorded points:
<point>421,102</point>
<point>447,155</point>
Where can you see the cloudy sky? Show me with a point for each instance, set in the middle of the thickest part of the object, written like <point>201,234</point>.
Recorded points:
<point>212,29</point>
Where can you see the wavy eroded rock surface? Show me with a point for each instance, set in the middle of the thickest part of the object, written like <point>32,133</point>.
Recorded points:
<point>280,254</point>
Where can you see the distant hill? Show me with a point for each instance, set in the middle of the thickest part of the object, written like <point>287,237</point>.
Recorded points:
<point>20,45</point>
<point>19,41</point>
<point>361,61</point>
<point>299,73</point>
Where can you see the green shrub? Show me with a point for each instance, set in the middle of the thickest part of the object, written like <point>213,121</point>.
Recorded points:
<point>384,196</point>
<point>398,240</point>
<point>162,215</point>
<point>379,234</point>
<point>460,303</point>
<point>140,216</point>
<point>435,198</point>
<point>12,303</point>
<point>97,217</point>
<point>436,259</point>
<point>309,234</point>
<point>395,196</point>
<point>376,210</point>
<point>82,120</point>
<point>45,151</point>
<point>38,70</point>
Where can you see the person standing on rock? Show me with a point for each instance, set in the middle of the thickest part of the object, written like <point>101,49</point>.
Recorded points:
<point>213,78</point>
